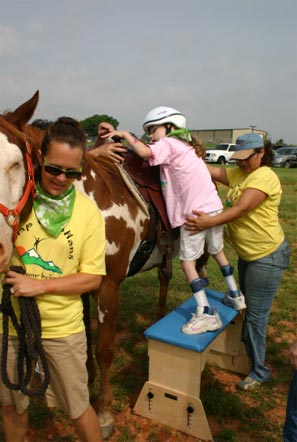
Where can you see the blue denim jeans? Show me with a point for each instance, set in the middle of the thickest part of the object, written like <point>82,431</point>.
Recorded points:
<point>290,427</point>
<point>259,281</point>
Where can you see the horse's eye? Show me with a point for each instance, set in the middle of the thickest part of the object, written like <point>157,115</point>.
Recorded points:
<point>15,166</point>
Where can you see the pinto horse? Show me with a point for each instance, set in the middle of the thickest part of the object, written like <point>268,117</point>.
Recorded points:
<point>128,224</point>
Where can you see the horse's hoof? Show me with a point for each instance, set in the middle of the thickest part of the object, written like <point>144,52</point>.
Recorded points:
<point>107,431</point>
<point>106,424</point>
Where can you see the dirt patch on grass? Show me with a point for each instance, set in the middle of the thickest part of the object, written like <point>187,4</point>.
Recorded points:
<point>130,427</point>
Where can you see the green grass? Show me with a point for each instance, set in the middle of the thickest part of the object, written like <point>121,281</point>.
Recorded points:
<point>139,310</point>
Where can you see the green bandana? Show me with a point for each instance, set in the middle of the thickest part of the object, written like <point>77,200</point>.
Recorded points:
<point>53,212</point>
<point>183,134</point>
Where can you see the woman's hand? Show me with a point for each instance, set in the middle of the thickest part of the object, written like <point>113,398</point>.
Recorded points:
<point>104,128</point>
<point>115,133</point>
<point>22,285</point>
<point>200,222</point>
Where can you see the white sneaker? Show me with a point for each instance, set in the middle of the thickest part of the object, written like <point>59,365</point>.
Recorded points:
<point>238,303</point>
<point>202,322</point>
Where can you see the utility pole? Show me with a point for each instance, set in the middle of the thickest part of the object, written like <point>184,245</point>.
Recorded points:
<point>252,128</point>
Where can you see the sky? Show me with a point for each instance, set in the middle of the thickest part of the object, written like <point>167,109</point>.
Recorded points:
<point>222,63</point>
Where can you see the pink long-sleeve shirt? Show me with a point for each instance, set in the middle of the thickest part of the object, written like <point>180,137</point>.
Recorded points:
<point>185,180</point>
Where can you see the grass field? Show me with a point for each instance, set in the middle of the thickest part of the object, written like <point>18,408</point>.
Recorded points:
<point>234,416</point>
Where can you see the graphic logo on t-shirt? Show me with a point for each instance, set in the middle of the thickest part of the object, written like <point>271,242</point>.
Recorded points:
<point>32,256</point>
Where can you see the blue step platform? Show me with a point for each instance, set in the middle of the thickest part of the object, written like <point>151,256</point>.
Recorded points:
<point>168,329</point>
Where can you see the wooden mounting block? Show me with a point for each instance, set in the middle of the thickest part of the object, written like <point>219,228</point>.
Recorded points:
<point>171,395</point>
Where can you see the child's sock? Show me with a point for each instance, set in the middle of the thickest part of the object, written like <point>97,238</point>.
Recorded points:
<point>227,272</point>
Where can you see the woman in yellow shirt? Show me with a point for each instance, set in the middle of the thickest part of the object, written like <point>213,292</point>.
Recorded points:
<point>253,228</point>
<point>62,247</point>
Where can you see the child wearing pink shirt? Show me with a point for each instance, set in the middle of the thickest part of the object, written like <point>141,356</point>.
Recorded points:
<point>187,186</point>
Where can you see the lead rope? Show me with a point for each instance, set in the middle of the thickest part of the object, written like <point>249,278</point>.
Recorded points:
<point>30,345</point>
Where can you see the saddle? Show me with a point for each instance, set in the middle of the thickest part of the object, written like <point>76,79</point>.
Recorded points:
<point>147,181</point>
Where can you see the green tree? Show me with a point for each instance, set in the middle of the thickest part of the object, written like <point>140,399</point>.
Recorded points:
<point>280,143</point>
<point>41,124</point>
<point>90,124</point>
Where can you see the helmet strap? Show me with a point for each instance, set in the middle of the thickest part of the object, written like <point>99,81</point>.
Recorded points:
<point>169,127</point>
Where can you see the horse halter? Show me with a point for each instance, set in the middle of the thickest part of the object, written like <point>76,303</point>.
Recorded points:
<point>12,215</point>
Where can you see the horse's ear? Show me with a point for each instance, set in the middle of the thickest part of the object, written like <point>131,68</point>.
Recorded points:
<point>24,112</point>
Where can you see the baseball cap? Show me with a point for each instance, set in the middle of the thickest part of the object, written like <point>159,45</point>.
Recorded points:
<point>245,144</point>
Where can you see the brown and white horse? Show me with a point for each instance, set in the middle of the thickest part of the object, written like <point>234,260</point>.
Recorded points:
<point>127,226</point>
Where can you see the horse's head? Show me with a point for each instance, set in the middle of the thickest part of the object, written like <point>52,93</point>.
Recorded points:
<point>16,173</point>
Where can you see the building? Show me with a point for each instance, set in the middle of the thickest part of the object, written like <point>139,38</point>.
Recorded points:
<point>217,136</point>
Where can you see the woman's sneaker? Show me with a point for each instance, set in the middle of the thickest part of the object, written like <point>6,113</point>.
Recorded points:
<point>238,302</point>
<point>250,384</point>
<point>202,322</point>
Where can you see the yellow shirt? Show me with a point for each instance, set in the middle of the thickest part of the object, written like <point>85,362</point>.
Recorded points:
<point>80,247</point>
<point>258,233</point>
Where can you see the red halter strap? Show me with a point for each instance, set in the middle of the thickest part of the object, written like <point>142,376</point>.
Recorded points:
<point>12,215</point>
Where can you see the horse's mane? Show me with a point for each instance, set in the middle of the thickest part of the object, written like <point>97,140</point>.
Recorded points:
<point>34,136</point>
<point>31,134</point>
<point>102,165</point>
<point>108,172</point>
<point>13,129</point>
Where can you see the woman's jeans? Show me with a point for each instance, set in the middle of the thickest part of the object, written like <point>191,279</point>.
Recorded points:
<point>290,427</point>
<point>259,281</point>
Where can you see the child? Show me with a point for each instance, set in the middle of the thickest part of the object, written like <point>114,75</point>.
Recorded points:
<point>187,185</point>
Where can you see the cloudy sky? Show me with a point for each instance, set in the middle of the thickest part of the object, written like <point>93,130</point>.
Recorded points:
<point>223,63</point>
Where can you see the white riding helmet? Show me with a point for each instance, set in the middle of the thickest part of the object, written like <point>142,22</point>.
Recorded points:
<point>161,115</point>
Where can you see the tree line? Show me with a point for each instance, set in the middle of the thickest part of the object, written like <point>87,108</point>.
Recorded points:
<point>90,124</point>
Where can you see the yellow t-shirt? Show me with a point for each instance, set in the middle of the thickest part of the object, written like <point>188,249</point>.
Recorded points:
<point>258,233</point>
<point>80,247</point>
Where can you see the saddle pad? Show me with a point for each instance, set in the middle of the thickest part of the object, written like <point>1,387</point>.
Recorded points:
<point>133,189</point>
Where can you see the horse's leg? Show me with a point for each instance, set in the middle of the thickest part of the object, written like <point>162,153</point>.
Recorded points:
<point>201,264</point>
<point>107,312</point>
<point>87,321</point>
<point>164,279</point>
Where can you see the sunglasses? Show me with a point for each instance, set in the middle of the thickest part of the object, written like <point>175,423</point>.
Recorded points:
<point>56,171</point>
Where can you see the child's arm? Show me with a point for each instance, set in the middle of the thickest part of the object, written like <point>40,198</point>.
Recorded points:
<point>138,146</point>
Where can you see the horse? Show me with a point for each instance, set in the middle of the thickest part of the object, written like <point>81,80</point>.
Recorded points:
<point>130,226</point>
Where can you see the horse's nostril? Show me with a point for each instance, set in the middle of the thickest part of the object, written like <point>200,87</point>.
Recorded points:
<point>4,257</point>
<point>2,250</point>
